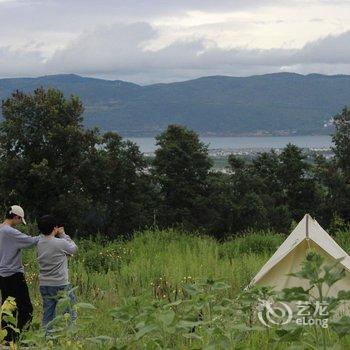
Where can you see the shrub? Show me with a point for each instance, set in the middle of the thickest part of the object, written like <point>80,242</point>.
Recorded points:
<point>252,243</point>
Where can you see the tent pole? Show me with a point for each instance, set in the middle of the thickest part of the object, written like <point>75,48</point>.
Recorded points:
<point>307,226</point>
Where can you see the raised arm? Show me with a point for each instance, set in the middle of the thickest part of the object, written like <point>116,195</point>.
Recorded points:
<point>22,240</point>
<point>69,246</point>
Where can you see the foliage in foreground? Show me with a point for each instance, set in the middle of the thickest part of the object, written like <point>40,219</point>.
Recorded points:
<point>169,290</point>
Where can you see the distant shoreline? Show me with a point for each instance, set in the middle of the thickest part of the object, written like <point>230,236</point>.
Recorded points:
<point>225,135</point>
<point>209,134</point>
<point>224,145</point>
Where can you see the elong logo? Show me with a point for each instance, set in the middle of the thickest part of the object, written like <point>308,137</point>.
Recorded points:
<point>280,313</point>
<point>274,313</point>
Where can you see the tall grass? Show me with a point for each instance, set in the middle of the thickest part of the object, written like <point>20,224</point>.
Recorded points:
<point>153,264</point>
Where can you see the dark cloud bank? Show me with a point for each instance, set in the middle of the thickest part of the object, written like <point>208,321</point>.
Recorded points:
<point>118,52</point>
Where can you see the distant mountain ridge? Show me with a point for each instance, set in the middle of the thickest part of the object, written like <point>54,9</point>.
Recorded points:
<point>279,103</point>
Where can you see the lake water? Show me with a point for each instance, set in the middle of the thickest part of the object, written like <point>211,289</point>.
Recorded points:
<point>148,144</point>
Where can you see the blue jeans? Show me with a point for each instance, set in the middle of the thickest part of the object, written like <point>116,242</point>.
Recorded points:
<point>50,296</point>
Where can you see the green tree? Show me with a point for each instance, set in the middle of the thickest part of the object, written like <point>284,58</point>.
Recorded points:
<point>124,194</point>
<point>298,186</point>
<point>50,163</point>
<point>222,214</point>
<point>258,197</point>
<point>336,174</point>
<point>236,163</point>
<point>265,166</point>
<point>247,207</point>
<point>269,185</point>
<point>341,140</point>
<point>43,146</point>
<point>181,167</point>
<point>333,190</point>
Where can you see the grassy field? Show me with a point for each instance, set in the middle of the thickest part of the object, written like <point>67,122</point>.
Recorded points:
<point>162,289</point>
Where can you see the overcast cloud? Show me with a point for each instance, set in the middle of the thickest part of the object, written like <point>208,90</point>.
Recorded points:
<point>161,41</point>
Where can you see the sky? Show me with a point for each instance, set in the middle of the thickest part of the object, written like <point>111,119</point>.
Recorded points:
<point>163,41</point>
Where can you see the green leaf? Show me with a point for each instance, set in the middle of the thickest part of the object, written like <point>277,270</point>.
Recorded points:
<point>167,317</point>
<point>333,276</point>
<point>15,329</point>
<point>289,335</point>
<point>170,330</point>
<point>192,289</point>
<point>145,330</point>
<point>295,293</point>
<point>189,324</point>
<point>343,295</point>
<point>3,334</point>
<point>220,286</point>
<point>342,326</point>
<point>121,316</point>
<point>220,342</point>
<point>86,306</point>
<point>192,336</point>
<point>11,320</point>
<point>175,303</point>
<point>101,339</point>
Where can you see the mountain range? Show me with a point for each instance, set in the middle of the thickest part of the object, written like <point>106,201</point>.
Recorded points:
<point>271,104</point>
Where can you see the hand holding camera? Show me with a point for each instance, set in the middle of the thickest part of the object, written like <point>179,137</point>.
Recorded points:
<point>59,231</point>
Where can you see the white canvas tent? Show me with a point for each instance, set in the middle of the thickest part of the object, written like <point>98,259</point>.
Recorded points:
<point>288,258</point>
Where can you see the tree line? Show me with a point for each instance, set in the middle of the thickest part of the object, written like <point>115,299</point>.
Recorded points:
<point>100,183</point>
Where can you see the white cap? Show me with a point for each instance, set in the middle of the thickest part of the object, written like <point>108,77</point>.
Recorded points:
<point>17,210</point>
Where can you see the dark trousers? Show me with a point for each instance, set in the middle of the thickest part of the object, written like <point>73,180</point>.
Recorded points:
<point>16,286</point>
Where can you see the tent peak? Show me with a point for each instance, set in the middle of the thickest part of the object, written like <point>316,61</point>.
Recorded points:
<point>290,253</point>
<point>307,218</point>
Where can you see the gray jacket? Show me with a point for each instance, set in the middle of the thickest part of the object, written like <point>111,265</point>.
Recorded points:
<point>11,243</point>
<point>52,258</point>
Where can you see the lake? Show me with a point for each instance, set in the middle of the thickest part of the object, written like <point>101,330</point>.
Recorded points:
<point>148,144</point>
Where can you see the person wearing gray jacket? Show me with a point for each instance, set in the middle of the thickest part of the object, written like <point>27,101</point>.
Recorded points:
<point>12,280</point>
<point>53,249</point>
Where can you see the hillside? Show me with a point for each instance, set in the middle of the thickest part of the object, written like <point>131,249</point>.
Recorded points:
<point>133,285</point>
<point>217,105</point>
